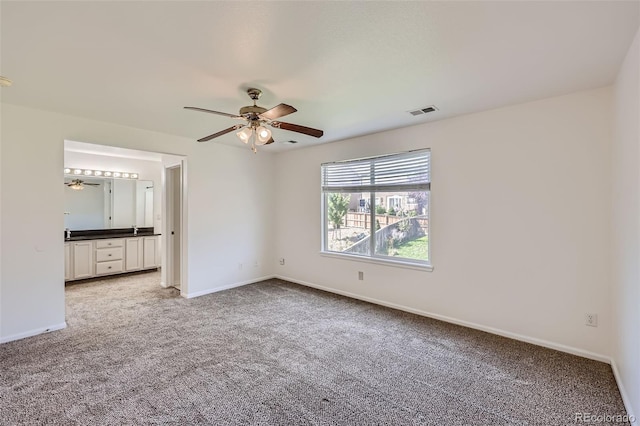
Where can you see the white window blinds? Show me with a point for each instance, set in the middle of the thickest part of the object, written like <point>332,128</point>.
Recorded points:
<point>408,171</point>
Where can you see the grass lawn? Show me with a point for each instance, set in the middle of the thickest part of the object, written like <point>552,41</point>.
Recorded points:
<point>414,249</point>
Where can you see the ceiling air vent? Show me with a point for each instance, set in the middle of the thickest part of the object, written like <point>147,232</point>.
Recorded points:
<point>424,110</point>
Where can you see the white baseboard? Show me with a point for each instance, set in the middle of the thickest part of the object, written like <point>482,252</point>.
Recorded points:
<point>499,332</point>
<point>226,287</point>
<point>623,393</point>
<point>34,332</point>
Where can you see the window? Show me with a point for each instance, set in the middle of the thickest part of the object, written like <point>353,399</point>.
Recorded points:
<point>395,202</point>
<point>395,226</point>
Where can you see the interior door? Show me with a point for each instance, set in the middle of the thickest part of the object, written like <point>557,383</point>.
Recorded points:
<point>172,267</point>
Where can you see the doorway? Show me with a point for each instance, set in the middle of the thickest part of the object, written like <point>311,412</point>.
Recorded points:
<point>124,204</point>
<point>174,228</point>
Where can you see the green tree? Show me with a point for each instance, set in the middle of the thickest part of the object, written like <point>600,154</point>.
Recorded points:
<point>421,200</point>
<point>380,209</point>
<point>337,209</point>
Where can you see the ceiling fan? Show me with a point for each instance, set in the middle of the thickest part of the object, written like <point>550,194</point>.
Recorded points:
<point>79,184</point>
<point>253,130</point>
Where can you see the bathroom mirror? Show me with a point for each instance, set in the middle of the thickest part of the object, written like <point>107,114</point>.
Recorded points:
<point>107,203</point>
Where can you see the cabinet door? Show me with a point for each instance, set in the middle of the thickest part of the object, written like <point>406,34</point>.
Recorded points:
<point>67,262</point>
<point>133,254</point>
<point>150,250</point>
<point>82,259</point>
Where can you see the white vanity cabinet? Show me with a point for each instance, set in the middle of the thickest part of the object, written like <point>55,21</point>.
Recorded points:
<point>150,259</point>
<point>67,262</point>
<point>93,258</point>
<point>82,259</point>
<point>134,248</point>
<point>109,256</point>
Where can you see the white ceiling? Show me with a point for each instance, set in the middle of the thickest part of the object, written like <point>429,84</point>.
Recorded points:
<point>114,151</point>
<point>350,68</point>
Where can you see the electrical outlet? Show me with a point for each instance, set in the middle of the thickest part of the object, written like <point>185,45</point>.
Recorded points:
<point>360,275</point>
<point>591,320</point>
<point>282,260</point>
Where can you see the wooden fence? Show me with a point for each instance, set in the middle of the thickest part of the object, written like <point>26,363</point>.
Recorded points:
<point>412,228</point>
<point>363,220</point>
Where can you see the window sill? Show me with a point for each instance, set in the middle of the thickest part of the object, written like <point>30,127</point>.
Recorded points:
<point>379,261</point>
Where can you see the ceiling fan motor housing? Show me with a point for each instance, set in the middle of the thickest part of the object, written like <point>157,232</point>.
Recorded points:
<point>252,111</point>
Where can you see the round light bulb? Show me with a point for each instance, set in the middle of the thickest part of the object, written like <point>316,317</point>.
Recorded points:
<point>116,174</point>
<point>264,135</point>
<point>98,173</point>
<point>67,171</point>
<point>107,173</point>
<point>77,172</point>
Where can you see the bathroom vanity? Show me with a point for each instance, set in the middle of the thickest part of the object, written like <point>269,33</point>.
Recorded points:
<point>96,253</point>
<point>99,238</point>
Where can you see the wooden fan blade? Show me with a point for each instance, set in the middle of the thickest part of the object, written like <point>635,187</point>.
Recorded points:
<point>92,184</point>
<point>297,128</point>
<point>278,111</point>
<point>220,133</point>
<point>270,141</point>
<point>214,112</point>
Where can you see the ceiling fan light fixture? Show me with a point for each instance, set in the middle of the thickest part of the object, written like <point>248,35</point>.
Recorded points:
<point>245,134</point>
<point>264,135</point>
<point>77,186</point>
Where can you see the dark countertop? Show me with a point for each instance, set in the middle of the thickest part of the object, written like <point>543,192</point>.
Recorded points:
<point>107,236</point>
<point>103,234</point>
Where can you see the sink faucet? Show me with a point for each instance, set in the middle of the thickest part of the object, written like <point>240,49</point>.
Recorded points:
<point>67,233</point>
<point>135,229</point>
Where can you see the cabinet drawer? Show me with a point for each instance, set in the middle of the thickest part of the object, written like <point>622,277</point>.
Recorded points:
<point>116,242</point>
<point>106,254</point>
<point>109,267</point>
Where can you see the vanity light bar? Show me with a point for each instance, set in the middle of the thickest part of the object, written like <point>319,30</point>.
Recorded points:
<point>100,173</point>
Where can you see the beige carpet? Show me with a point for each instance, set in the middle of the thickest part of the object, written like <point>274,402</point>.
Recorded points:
<point>275,353</point>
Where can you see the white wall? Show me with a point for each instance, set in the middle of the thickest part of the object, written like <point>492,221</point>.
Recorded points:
<point>520,221</point>
<point>32,282</point>
<point>626,228</point>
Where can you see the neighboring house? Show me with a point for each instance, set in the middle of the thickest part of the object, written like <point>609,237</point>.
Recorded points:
<point>399,201</point>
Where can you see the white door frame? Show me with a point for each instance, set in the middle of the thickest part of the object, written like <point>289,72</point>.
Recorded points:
<point>167,208</point>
